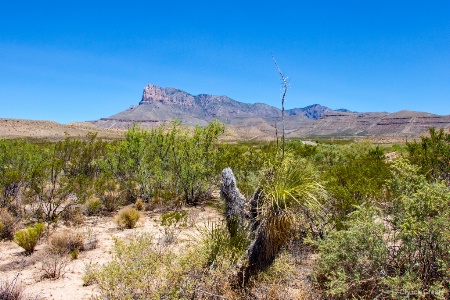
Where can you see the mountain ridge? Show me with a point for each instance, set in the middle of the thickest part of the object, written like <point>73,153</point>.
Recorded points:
<point>162,105</point>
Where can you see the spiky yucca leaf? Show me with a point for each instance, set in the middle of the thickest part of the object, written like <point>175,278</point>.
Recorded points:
<point>290,184</point>
<point>289,187</point>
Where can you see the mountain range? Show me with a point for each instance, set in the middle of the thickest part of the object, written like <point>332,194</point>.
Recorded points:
<point>163,105</point>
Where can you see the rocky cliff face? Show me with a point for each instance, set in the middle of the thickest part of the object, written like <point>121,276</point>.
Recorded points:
<point>162,105</point>
<point>153,94</point>
<point>314,111</point>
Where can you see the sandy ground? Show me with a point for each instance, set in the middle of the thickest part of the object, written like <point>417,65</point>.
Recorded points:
<point>14,263</point>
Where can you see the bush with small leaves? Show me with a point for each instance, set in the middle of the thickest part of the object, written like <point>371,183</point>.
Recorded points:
<point>28,238</point>
<point>171,222</point>
<point>128,217</point>
<point>89,276</point>
<point>220,246</point>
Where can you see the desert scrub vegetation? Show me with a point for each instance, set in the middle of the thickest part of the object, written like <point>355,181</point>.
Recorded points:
<point>432,155</point>
<point>12,290</point>
<point>66,242</point>
<point>167,162</point>
<point>54,266</point>
<point>28,238</point>
<point>142,269</point>
<point>392,251</point>
<point>128,217</point>
<point>377,226</point>
<point>7,225</point>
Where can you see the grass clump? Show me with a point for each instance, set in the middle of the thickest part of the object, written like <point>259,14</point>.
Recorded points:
<point>28,238</point>
<point>11,290</point>
<point>128,217</point>
<point>220,246</point>
<point>93,206</point>
<point>7,225</point>
<point>65,242</point>
<point>139,204</point>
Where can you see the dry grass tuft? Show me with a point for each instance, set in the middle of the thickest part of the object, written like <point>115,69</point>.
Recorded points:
<point>128,217</point>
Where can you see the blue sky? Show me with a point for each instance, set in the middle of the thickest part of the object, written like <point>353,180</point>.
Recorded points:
<point>82,60</point>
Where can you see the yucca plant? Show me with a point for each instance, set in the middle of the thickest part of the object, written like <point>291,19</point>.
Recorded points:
<point>289,189</point>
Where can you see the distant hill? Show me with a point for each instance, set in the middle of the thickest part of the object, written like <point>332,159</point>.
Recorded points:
<point>48,130</point>
<point>162,105</point>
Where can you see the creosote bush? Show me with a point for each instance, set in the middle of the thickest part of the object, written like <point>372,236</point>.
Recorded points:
<point>395,250</point>
<point>90,273</point>
<point>29,237</point>
<point>128,217</point>
<point>172,222</point>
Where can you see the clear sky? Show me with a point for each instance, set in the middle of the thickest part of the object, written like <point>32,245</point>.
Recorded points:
<point>82,60</point>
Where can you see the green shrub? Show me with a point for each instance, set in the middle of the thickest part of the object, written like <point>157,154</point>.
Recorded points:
<point>420,217</point>
<point>74,253</point>
<point>171,222</point>
<point>398,250</point>
<point>352,261</point>
<point>90,274</point>
<point>128,217</point>
<point>354,174</point>
<point>432,155</point>
<point>28,238</point>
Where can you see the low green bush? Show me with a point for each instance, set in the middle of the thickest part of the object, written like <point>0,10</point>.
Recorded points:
<point>139,270</point>
<point>28,238</point>
<point>352,261</point>
<point>394,251</point>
